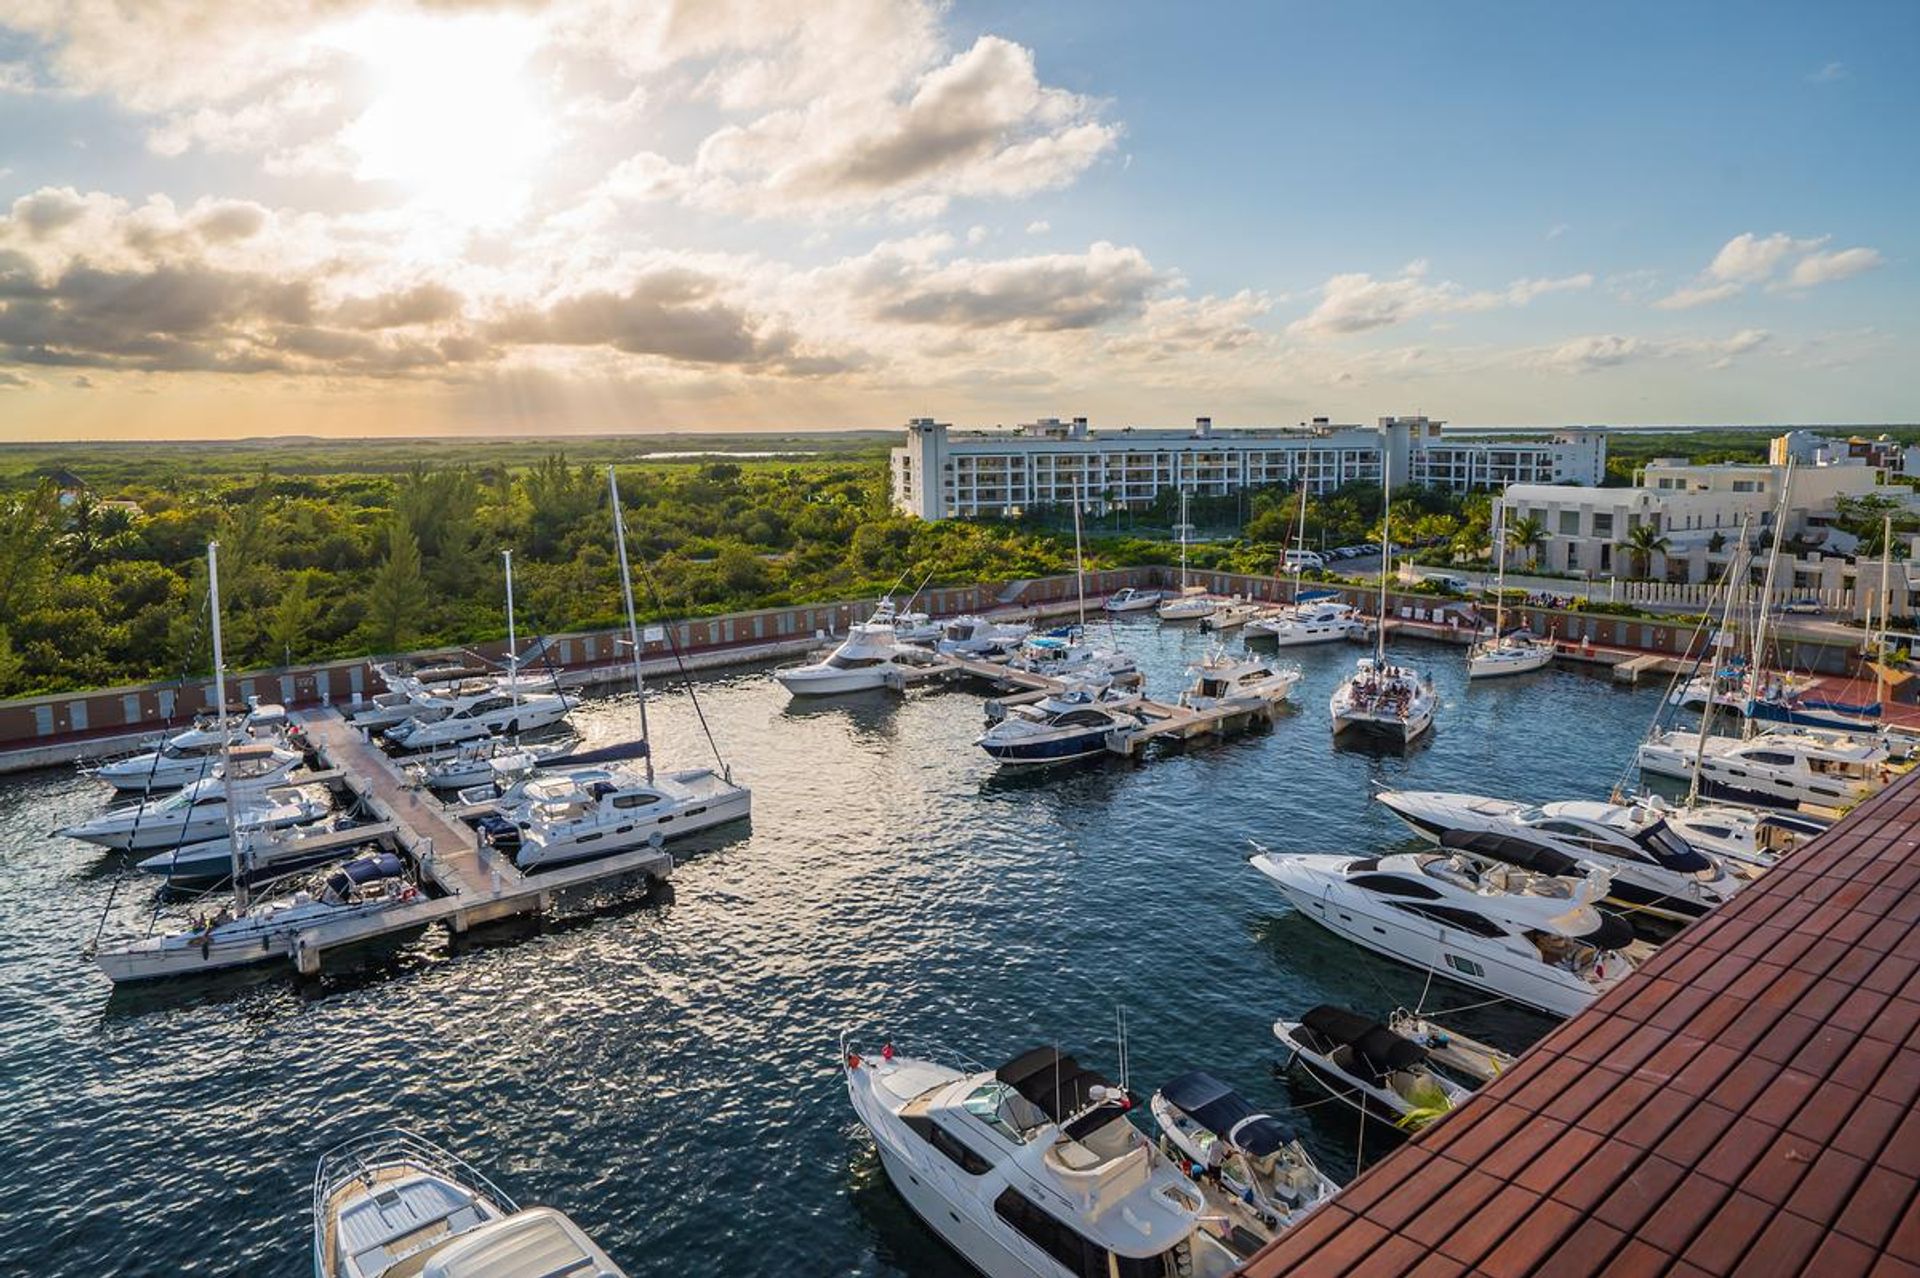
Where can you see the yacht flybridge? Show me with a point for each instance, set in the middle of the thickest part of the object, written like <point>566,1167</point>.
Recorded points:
<point>1316,616</point>
<point>193,755</point>
<point>1225,682</point>
<point>1407,1073</point>
<point>1534,938</point>
<point>1380,698</point>
<point>200,811</point>
<point>860,663</point>
<point>1252,1168</point>
<point>1034,1170</point>
<point>392,1205</point>
<point>1784,769</point>
<point>489,711</point>
<point>1654,869</point>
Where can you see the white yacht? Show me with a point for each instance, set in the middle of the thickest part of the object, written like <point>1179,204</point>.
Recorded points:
<point>1033,1170</point>
<point>1383,699</point>
<point>1190,603</point>
<point>1128,599</point>
<point>1785,769</point>
<point>1253,1168</point>
<point>1654,869</point>
<point>1318,616</point>
<point>193,755</point>
<point>479,762</point>
<point>264,854</point>
<point>256,760</point>
<point>980,637</point>
<point>581,813</point>
<point>194,814</point>
<point>268,930</point>
<point>392,1205</point>
<point>1073,723</point>
<point>1062,657</point>
<point>1231,615</point>
<point>1533,938</point>
<point>860,663</point>
<point>1753,837</point>
<point>1505,652</point>
<point>1225,682</point>
<point>493,712</point>
<point>1408,1072</point>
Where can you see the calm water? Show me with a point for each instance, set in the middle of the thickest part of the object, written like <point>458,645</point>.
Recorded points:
<point>665,1069</point>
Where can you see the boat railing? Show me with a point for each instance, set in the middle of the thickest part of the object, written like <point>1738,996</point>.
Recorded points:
<point>365,1157</point>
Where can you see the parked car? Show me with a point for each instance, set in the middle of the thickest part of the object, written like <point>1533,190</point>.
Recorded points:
<point>1802,605</point>
<point>1447,581</point>
<point>1303,559</point>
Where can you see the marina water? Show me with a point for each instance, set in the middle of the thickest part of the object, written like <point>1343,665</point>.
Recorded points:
<point>665,1068</point>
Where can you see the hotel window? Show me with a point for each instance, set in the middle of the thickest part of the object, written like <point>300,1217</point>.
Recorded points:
<point>1603,524</point>
<point>1569,523</point>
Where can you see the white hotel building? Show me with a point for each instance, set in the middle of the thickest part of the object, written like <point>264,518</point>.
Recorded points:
<point>940,473</point>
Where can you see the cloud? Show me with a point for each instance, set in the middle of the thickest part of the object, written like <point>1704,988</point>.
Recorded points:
<point>1047,293</point>
<point>1748,259</point>
<point>1611,350</point>
<point>1557,230</point>
<point>1039,226</point>
<point>427,303</point>
<point>1358,303</point>
<point>1824,268</point>
<point>1829,73</point>
<point>16,381</point>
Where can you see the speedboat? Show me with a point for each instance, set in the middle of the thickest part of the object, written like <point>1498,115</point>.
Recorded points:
<point>1073,723</point>
<point>1061,657</point>
<point>268,930</point>
<point>860,663</point>
<point>1396,1072</point>
<point>584,813</point>
<point>1128,599</point>
<point>1320,616</point>
<point>1383,699</point>
<point>194,755</point>
<point>392,1205</point>
<point>1514,653</point>
<point>194,814</point>
<point>1225,682</point>
<point>1783,769</point>
<point>1262,1175</point>
<point>1034,1170</point>
<point>1655,870</point>
<point>1231,615</point>
<point>1533,938</point>
<point>1191,604</point>
<point>493,712</point>
<point>980,637</point>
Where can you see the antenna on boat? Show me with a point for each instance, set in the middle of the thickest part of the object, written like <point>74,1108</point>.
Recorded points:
<point>633,625</point>
<point>1120,1032</point>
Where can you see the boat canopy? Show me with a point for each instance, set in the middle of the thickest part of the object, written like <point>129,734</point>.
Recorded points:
<point>1058,1084</point>
<point>1506,848</point>
<point>1670,850</point>
<point>1374,1044</point>
<point>1226,1114</point>
<point>1611,933</point>
<point>1315,596</point>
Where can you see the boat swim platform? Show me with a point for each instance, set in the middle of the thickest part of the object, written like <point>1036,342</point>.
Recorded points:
<point>1746,1103</point>
<point>478,885</point>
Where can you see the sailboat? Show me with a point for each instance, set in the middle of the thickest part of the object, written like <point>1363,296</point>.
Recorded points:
<point>1192,603</point>
<point>1379,697</point>
<point>1314,616</point>
<point>576,814</point>
<point>249,933</point>
<point>1502,653</point>
<point>1068,654</point>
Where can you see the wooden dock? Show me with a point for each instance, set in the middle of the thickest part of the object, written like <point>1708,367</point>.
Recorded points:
<point>478,884</point>
<point>1630,670</point>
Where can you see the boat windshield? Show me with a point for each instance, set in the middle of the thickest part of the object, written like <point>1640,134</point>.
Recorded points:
<point>839,662</point>
<point>1670,850</point>
<point>1005,1110</point>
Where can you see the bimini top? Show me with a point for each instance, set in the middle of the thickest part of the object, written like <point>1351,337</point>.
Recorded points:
<point>1225,1113</point>
<point>1524,853</point>
<point>1612,933</point>
<point>1058,1084</point>
<point>1316,596</point>
<point>1373,1042</point>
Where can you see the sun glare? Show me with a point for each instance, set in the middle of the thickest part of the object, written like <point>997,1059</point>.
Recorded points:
<point>454,119</point>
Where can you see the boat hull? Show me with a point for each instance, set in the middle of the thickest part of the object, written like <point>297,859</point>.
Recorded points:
<point>721,809</point>
<point>1060,749</point>
<point>806,682</point>
<point>1496,664</point>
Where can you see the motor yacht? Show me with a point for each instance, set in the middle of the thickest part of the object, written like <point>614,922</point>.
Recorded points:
<point>1385,700</point>
<point>1034,1170</point>
<point>493,712</point>
<point>392,1205</point>
<point>1261,1176</point>
<point>264,855</point>
<point>194,814</point>
<point>1073,723</point>
<point>582,813</point>
<point>1783,769</point>
<point>1319,616</point>
<point>1752,837</point>
<point>251,759</point>
<point>861,662</point>
<point>1231,615</point>
<point>1128,599</point>
<point>1533,938</point>
<point>1192,604</point>
<point>1406,1073</point>
<point>193,755</point>
<point>1225,682</point>
<point>268,930</point>
<point>1654,869</point>
<point>1062,657</point>
<point>980,637</point>
<point>478,762</point>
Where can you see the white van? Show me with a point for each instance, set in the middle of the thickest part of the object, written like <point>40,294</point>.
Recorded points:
<point>1303,559</point>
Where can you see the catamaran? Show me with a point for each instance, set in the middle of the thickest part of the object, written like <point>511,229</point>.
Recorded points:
<point>1380,697</point>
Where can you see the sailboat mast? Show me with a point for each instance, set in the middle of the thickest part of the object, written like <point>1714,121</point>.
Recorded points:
<point>513,642</point>
<point>1300,540</point>
<point>1766,596</point>
<point>1386,549</point>
<point>1500,566</point>
<point>1886,610</point>
<point>1183,541</point>
<point>633,623</point>
<point>1713,668</point>
<point>1080,563</point>
<point>228,780</point>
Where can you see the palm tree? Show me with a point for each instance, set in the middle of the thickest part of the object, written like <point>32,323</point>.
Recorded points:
<point>1644,541</point>
<point>1526,535</point>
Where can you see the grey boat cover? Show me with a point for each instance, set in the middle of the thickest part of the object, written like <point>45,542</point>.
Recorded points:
<point>1225,1113</point>
<point>1378,1048</point>
<point>1055,1082</point>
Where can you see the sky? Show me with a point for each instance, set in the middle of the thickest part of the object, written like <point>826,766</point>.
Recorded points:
<point>374,217</point>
